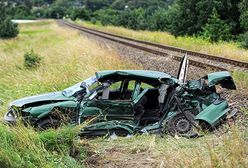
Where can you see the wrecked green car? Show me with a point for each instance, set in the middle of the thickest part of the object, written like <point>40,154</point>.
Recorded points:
<point>131,101</point>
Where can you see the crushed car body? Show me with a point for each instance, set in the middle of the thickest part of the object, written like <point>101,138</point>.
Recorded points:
<point>129,102</point>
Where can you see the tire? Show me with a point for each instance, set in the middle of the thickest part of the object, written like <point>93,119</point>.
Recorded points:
<point>179,125</point>
<point>47,123</point>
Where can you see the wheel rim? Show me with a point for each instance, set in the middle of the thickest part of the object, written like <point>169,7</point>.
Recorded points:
<point>182,125</point>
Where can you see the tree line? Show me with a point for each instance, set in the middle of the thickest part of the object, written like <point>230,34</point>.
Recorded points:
<point>214,20</point>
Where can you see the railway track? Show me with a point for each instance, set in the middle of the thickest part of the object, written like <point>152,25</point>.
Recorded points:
<point>197,59</point>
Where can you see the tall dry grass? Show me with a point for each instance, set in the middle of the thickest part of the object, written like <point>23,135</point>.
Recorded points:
<point>68,58</point>
<point>227,150</point>
<point>223,49</point>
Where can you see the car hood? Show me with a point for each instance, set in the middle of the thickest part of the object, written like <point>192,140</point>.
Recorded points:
<point>48,97</point>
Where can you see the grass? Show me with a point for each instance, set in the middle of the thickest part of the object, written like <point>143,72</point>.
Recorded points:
<point>223,49</point>
<point>240,79</point>
<point>67,59</point>
<point>23,147</point>
<point>154,151</point>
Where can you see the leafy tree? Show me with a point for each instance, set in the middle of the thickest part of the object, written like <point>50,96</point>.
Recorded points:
<point>145,4</point>
<point>108,16</point>
<point>243,8</point>
<point>184,17</point>
<point>56,12</point>
<point>97,4</point>
<point>8,29</point>
<point>229,11</point>
<point>79,13</point>
<point>21,12</point>
<point>39,12</point>
<point>118,5</point>
<point>216,29</point>
<point>42,2</point>
<point>137,19</point>
<point>187,17</point>
<point>244,40</point>
<point>159,20</point>
<point>123,17</point>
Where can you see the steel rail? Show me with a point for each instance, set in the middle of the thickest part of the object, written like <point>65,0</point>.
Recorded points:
<point>156,52</point>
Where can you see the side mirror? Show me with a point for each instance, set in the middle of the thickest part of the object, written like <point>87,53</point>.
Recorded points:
<point>83,85</point>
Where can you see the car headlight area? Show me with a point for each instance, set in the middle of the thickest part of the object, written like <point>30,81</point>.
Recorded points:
<point>10,117</point>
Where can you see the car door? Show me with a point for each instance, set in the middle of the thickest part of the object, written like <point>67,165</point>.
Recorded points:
<point>112,108</point>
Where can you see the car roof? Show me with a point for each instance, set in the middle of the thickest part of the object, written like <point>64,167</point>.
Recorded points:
<point>147,76</point>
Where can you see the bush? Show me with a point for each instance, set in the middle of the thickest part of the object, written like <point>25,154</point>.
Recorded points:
<point>8,29</point>
<point>31,60</point>
<point>93,20</point>
<point>216,29</point>
<point>79,13</point>
<point>244,40</point>
<point>22,12</point>
<point>158,20</point>
<point>107,17</point>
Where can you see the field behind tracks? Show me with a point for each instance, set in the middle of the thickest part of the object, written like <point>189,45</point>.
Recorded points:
<point>67,58</point>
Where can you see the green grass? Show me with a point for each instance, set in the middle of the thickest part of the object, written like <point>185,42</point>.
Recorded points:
<point>224,49</point>
<point>23,147</point>
<point>28,32</point>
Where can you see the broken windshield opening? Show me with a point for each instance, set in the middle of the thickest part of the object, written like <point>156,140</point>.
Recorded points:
<point>77,87</point>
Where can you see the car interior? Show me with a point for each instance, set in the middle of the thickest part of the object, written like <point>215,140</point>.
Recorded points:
<point>146,110</point>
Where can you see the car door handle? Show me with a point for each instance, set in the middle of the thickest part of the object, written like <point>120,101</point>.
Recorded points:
<point>115,104</point>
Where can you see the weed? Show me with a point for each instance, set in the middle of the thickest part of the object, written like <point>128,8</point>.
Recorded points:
<point>32,60</point>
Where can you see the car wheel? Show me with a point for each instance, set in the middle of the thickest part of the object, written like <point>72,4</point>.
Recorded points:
<point>47,123</point>
<point>179,125</point>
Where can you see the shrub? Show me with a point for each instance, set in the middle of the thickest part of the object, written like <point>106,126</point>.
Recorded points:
<point>216,29</point>
<point>107,17</point>
<point>8,29</point>
<point>31,60</point>
<point>93,20</point>
<point>79,13</point>
<point>244,40</point>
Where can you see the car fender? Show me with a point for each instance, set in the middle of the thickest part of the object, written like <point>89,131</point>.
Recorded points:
<point>213,113</point>
<point>223,78</point>
<point>44,110</point>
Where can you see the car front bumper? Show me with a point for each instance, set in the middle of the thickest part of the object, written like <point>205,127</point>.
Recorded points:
<point>9,117</point>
